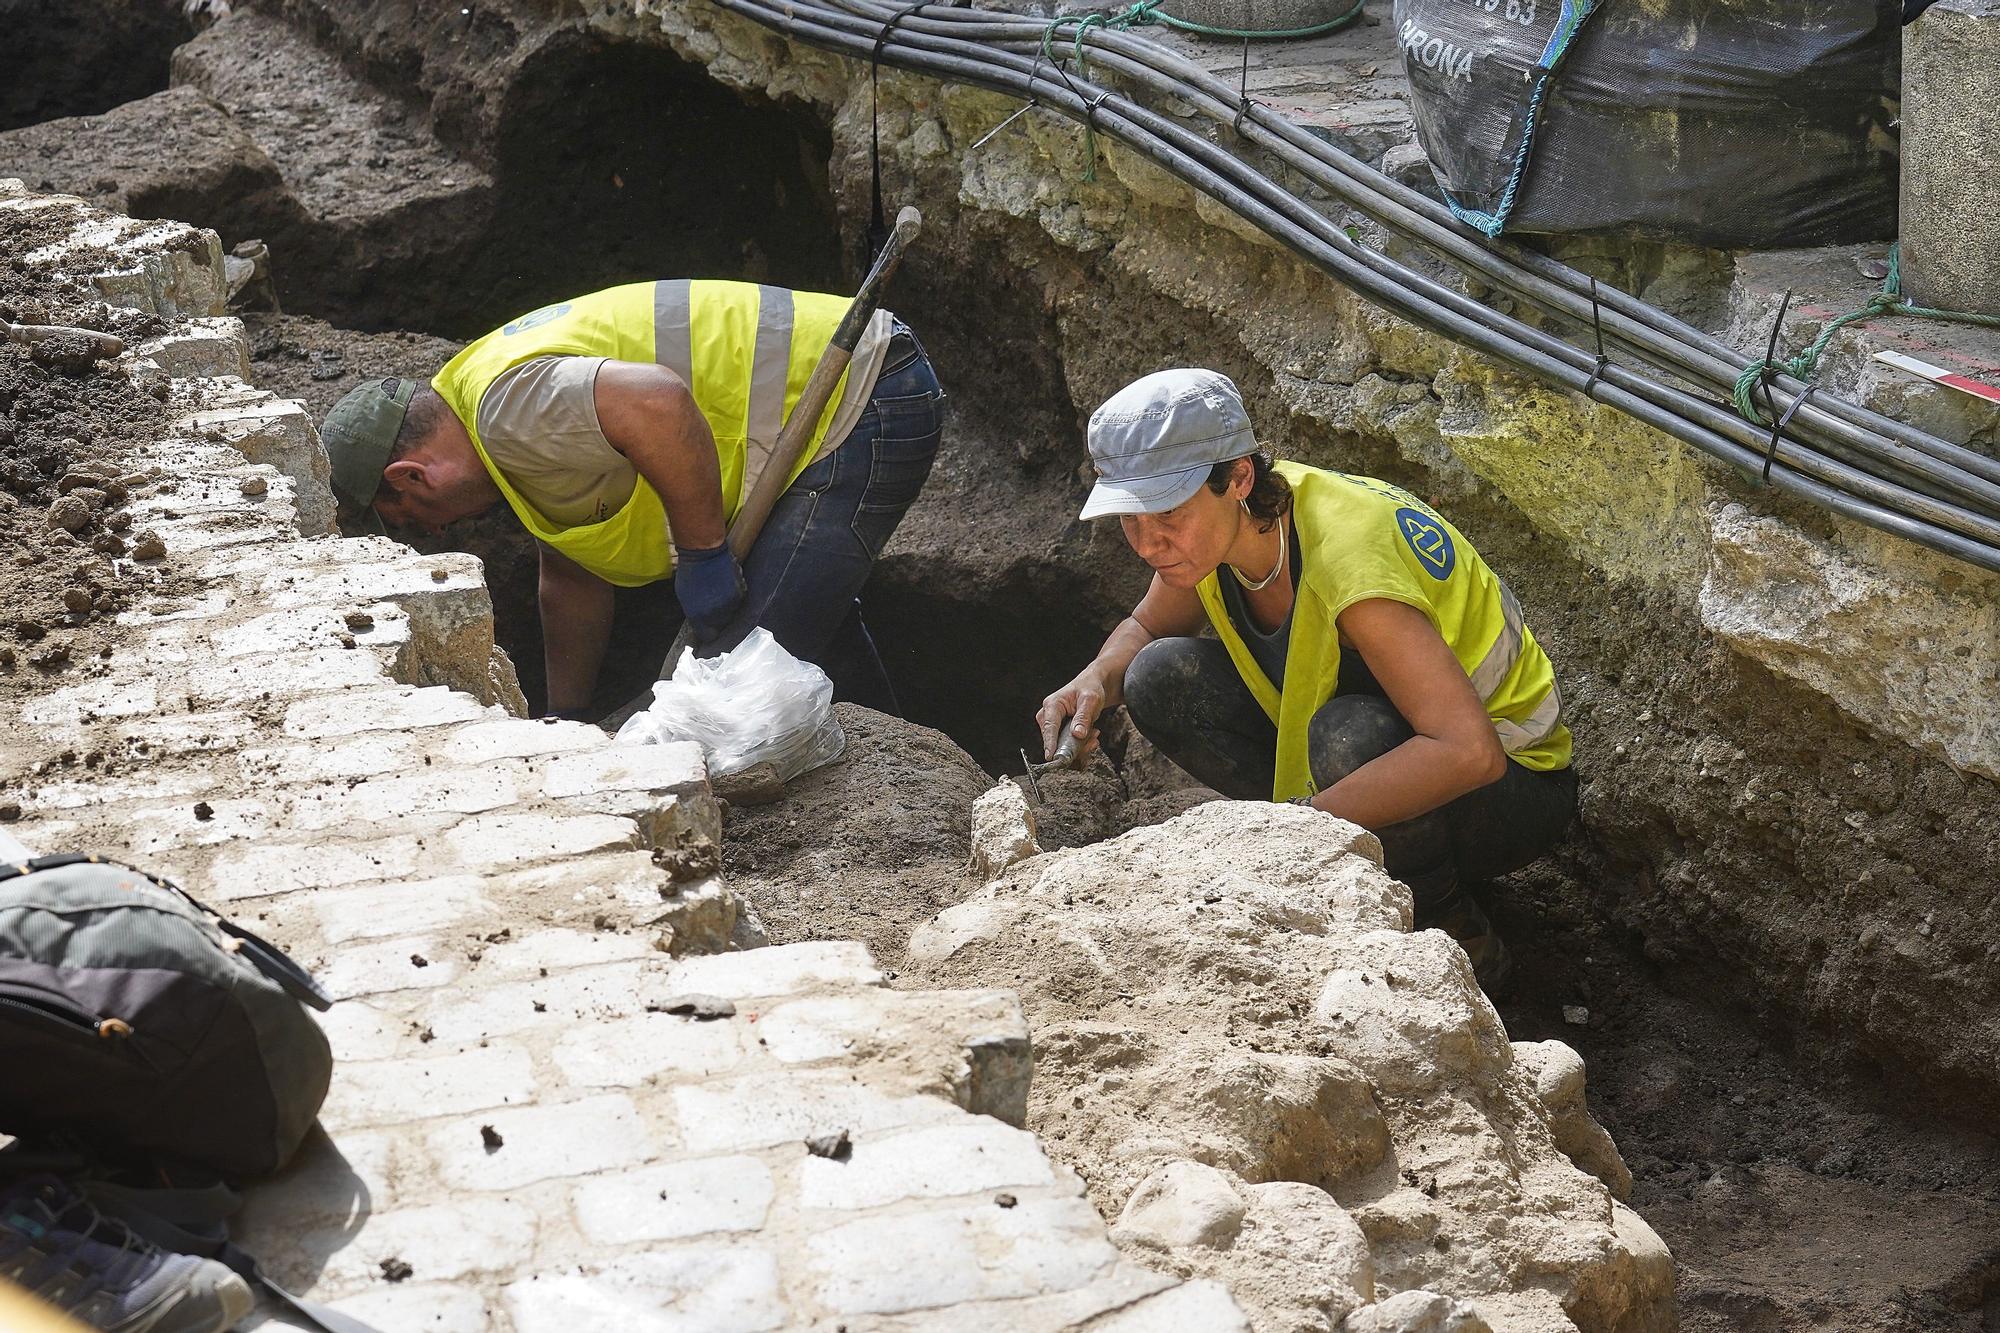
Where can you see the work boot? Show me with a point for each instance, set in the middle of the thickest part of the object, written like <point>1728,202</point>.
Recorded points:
<point>57,1246</point>
<point>1457,915</point>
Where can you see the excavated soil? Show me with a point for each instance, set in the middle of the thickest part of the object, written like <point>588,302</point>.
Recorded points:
<point>72,558</point>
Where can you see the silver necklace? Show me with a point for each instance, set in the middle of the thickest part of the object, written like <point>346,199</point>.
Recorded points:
<point>1284,553</point>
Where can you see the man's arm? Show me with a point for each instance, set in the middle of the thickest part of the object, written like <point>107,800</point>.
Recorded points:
<point>576,626</point>
<point>648,415</point>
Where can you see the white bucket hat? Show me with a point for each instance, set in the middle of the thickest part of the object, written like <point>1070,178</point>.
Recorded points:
<point>1155,440</point>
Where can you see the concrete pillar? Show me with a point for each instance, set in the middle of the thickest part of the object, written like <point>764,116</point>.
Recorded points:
<point>1951,162</point>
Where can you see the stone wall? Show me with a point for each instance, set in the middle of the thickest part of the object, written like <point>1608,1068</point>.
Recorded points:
<point>1785,721</point>
<point>562,1097</point>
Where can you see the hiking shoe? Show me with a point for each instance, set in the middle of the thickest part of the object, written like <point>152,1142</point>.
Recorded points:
<point>57,1246</point>
<point>1462,919</point>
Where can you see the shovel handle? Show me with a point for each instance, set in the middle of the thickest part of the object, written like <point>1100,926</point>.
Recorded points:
<point>798,429</point>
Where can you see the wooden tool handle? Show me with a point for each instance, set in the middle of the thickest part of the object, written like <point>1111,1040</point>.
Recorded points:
<point>797,433</point>
<point>798,429</point>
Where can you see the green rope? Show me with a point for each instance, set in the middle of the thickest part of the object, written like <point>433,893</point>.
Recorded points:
<point>1888,301</point>
<point>1149,11</point>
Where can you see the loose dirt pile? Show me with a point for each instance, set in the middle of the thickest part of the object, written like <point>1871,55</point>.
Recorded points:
<point>72,554</point>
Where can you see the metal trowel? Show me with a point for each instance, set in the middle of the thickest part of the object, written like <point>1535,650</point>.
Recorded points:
<point>1065,757</point>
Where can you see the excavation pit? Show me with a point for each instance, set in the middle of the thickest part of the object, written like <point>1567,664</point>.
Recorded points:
<point>1797,1074</point>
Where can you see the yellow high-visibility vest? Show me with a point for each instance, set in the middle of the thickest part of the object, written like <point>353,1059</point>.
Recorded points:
<point>1361,538</point>
<point>745,352</point>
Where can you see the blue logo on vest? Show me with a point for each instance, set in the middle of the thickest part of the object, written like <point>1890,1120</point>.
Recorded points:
<point>534,319</point>
<point>1429,540</point>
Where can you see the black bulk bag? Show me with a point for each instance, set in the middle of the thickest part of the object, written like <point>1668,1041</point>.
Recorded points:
<point>136,1021</point>
<point>1726,123</point>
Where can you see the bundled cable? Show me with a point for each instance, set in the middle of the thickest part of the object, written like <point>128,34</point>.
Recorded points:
<point>1829,452</point>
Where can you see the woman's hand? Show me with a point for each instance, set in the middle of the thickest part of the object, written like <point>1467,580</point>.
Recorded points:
<point>1077,704</point>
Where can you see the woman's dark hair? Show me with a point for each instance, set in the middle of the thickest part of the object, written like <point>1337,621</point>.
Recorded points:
<point>1270,494</point>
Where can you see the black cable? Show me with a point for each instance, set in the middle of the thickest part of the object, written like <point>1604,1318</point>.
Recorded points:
<point>1182,154</point>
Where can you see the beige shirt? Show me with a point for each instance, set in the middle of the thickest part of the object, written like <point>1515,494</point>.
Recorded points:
<point>538,422</point>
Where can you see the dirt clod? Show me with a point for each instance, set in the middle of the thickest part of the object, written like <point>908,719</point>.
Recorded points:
<point>76,600</point>
<point>70,514</point>
<point>253,486</point>
<point>395,1269</point>
<point>148,546</point>
<point>491,1138</point>
<point>204,811</point>
<point>9,811</point>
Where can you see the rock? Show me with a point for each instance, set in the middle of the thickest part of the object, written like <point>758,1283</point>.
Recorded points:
<point>1416,1312</point>
<point>69,514</point>
<point>148,546</point>
<point>253,486</point>
<point>1287,1251</point>
<point>1559,1078</point>
<point>759,784</point>
<point>1182,1204</point>
<point>1230,1006</point>
<point>1003,830</point>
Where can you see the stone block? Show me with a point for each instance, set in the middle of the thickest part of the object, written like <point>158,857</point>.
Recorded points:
<point>975,1156</point>
<point>372,911</point>
<point>779,970</point>
<point>329,1186</point>
<point>926,1260</point>
<point>517,738</point>
<point>76,705</point>
<point>543,1142</point>
<point>432,1307</point>
<point>1192,1307</point>
<point>716,1290</point>
<point>201,348</point>
<point>759,1110</point>
<point>383,966</point>
<point>388,1092</point>
<point>557,1001</point>
<point>401,709</point>
<point>630,1052</point>
<point>279,432</point>
<point>270,868</point>
<point>507,838</point>
<point>446,1242</point>
<point>1003,830</point>
<point>675,1201</point>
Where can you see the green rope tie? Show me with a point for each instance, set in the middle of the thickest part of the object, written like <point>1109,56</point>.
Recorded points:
<point>1888,301</point>
<point>1149,11</point>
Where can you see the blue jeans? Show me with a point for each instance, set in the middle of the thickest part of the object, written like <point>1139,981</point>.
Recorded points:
<point>833,520</point>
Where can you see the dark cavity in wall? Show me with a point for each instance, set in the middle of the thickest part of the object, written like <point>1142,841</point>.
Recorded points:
<point>618,163</point>
<point>80,57</point>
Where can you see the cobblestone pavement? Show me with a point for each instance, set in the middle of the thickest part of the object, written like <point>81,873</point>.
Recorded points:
<point>561,1102</point>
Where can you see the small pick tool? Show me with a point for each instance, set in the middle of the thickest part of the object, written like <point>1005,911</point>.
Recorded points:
<point>1065,758</point>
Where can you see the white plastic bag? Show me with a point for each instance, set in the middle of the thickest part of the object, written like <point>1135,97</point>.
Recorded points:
<point>755,704</point>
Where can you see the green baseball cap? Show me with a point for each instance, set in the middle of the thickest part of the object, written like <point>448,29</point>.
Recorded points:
<point>359,434</point>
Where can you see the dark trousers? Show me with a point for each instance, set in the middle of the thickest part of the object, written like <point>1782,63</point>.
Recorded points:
<point>824,533</point>
<point>1185,697</point>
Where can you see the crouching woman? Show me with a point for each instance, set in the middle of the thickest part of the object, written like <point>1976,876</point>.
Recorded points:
<point>1366,661</point>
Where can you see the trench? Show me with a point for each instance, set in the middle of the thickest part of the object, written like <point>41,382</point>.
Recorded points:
<point>1794,1195</point>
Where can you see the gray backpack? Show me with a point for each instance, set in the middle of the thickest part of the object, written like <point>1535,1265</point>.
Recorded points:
<point>136,1021</point>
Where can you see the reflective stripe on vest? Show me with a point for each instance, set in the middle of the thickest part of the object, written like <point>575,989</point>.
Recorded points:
<point>744,351</point>
<point>1492,672</point>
